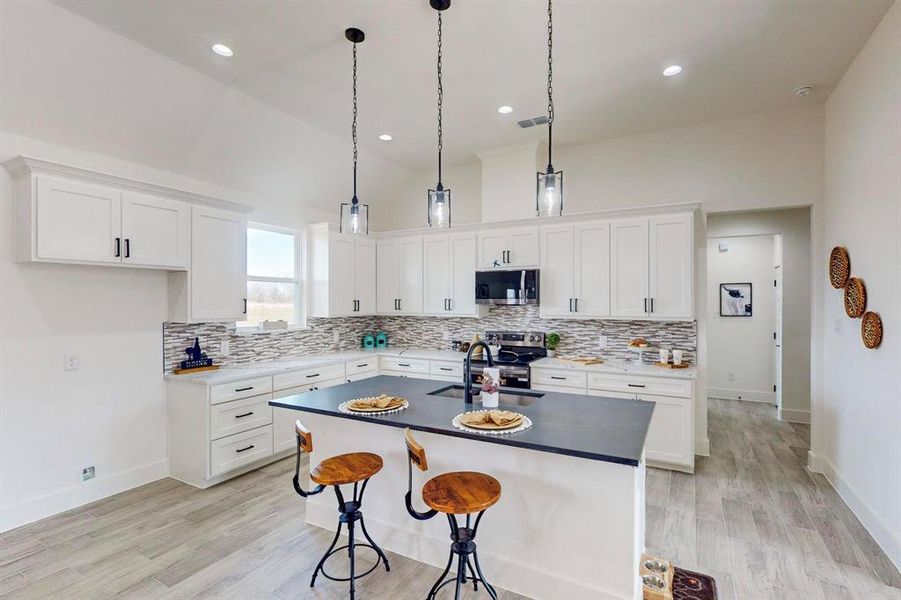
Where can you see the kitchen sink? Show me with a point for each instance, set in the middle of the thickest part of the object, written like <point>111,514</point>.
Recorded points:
<point>518,397</point>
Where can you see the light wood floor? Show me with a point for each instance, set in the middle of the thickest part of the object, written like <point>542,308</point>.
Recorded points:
<point>752,517</point>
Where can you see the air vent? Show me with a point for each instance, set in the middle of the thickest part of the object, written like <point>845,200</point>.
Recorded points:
<point>532,122</point>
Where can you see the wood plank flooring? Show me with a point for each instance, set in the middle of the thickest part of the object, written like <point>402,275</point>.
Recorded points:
<point>751,516</point>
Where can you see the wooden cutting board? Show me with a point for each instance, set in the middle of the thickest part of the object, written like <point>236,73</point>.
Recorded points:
<point>584,361</point>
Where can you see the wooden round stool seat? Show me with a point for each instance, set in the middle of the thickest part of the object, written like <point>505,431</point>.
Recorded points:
<point>346,468</point>
<point>461,492</point>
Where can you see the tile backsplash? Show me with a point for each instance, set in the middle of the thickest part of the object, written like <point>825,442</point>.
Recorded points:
<point>577,338</point>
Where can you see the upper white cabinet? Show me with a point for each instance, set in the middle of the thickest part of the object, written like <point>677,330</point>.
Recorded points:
<point>575,270</point>
<point>155,231</point>
<point>651,268</point>
<point>399,276</point>
<point>342,273</point>
<point>218,275</point>
<point>508,248</point>
<point>449,266</point>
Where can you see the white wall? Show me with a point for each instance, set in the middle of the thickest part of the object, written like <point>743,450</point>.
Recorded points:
<point>741,348</point>
<point>857,408</point>
<point>794,227</point>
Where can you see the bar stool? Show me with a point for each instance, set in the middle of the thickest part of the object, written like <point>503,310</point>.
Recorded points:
<point>456,493</point>
<point>336,471</point>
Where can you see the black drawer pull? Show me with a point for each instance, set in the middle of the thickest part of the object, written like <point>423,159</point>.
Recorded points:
<point>560,378</point>
<point>363,365</point>
<point>245,449</point>
<point>445,368</point>
<point>244,389</point>
<point>638,385</point>
<point>313,375</point>
<point>403,364</point>
<point>244,415</point>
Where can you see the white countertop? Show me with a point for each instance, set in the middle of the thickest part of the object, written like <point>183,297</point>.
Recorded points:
<point>296,363</point>
<point>618,367</point>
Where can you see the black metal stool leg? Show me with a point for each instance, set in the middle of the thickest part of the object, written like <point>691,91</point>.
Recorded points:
<point>475,580</point>
<point>325,556</point>
<point>450,560</point>
<point>373,544</point>
<point>488,586</point>
<point>350,555</point>
<point>461,576</point>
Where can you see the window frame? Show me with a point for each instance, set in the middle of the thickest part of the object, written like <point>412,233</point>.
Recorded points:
<point>299,279</point>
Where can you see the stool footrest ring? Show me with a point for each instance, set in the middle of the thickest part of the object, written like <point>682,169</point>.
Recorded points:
<point>378,561</point>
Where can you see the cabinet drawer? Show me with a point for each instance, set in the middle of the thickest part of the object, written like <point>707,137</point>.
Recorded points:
<point>353,367</point>
<point>618,395</point>
<point>234,451</point>
<point>640,385</point>
<point>308,376</point>
<point>359,376</point>
<point>558,389</point>
<point>446,369</point>
<point>406,365</point>
<point>228,418</point>
<point>559,377</point>
<point>412,374</point>
<point>226,392</point>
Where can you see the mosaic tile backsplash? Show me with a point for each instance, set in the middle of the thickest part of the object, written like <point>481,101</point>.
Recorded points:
<point>577,338</point>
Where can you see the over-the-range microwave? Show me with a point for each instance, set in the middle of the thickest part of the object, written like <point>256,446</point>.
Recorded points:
<point>519,286</point>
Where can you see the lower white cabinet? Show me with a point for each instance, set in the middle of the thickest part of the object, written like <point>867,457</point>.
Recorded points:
<point>671,434</point>
<point>236,451</point>
<point>283,419</point>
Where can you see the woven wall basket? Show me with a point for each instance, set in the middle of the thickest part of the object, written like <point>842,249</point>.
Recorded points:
<point>871,329</point>
<point>839,267</point>
<point>855,297</point>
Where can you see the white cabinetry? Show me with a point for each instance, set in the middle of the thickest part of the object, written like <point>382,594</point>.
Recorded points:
<point>575,270</point>
<point>342,273</point>
<point>155,231</point>
<point>508,248</point>
<point>399,276</point>
<point>283,419</point>
<point>449,266</point>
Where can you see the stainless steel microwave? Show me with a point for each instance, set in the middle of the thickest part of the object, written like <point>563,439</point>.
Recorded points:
<point>518,286</point>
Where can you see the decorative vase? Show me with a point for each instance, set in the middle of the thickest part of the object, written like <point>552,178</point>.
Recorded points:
<point>491,378</point>
<point>551,353</point>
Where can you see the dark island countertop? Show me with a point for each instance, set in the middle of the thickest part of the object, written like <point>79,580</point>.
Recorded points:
<point>596,428</point>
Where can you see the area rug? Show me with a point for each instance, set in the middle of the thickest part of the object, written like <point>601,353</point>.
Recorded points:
<point>688,585</point>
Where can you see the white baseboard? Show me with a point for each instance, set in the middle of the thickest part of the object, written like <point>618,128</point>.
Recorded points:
<point>794,416</point>
<point>78,495</point>
<point>702,447</point>
<point>736,394</point>
<point>887,539</point>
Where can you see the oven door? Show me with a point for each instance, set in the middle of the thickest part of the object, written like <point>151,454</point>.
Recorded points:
<point>507,287</point>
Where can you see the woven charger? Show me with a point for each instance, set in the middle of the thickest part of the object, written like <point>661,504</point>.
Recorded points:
<point>855,297</point>
<point>396,405</point>
<point>524,424</point>
<point>839,267</point>
<point>871,330</point>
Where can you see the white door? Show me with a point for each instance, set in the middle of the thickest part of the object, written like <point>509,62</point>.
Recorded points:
<point>592,269</point>
<point>364,275</point>
<point>463,274</point>
<point>218,265</point>
<point>387,273</point>
<point>493,246</point>
<point>155,231</point>
<point>523,247</point>
<point>556,272</point>
<point>670,432</point>
<point>629,268</point>
<point>77,221</point>
<point>670,259</point>
<point>342,298</point>
<point>436,274</point>
<point>409,276</point>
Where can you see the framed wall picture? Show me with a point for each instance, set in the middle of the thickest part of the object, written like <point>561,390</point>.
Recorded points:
<point>735,300</point>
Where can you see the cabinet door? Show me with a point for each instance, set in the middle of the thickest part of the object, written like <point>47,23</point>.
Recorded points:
<point>629,268</point>
<point>155,231</point>
<point>409,276</point>
<point>387,277</point>
<point>341,274</point>
<point>436,274</point>
<point>283,419</point>
<point>463,274</point>
<point>364,275</point>
<point>670,435</point>
<point>592,269</point>
<point>77,221</point>
<point>670,256</point>
<point>493,246</point>
<point>523,247</point>
<point>218,265</point>
<point>556,273</point>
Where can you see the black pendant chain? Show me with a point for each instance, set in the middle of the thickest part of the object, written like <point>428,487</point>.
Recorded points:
<point>354,126</point>
<point>440,101</point>
<point>550,80</point>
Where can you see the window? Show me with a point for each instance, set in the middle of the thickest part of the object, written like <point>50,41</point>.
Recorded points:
<point>274,271</point>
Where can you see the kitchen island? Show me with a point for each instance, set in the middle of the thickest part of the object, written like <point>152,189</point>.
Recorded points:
<point>570,522</point>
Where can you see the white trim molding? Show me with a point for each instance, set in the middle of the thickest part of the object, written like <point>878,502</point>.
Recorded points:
<point>746,395</point>
<point>702,446</point>
<point>794,416</point>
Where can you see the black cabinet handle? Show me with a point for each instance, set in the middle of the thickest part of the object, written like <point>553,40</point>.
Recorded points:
<point>403,364</point>
<point>239,450</point>
<point>445,368</point>
<point>127,248</point>
<point>313,375</point>
<point>244,389</point>
<point>576,304</point>
<point>645,305</point>
<point>638,385</point>
<point>118,251</point>
<point>652,305</point>
<point>570,305</point>
<point>244,415</point>
<point>363,365</point>
<point>398,304</point>
<point>560,378</point>
<point>245,306</point>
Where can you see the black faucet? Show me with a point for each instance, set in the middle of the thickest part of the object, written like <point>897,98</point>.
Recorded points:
<point>467,369</point>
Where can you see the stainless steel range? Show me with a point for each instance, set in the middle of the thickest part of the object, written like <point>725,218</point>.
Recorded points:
<point>518,349</point>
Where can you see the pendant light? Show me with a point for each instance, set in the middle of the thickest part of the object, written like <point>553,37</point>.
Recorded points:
<point>549,192</point>
<point>354,216</point>
<point>439,200</point>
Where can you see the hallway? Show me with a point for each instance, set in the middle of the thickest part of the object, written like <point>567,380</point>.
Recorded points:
<point>754,518</point>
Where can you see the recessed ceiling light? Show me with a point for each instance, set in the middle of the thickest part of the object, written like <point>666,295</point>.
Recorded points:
<point>505,110</point>
<point>672,71</point>
<point>386,137</point>
<point>222,50</point>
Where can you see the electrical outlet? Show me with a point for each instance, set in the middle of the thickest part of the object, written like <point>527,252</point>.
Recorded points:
<point>731,376</point>
<point>71,362</point>
<point>335,337</point>
<point>87,473</point>
<point>223,348</point>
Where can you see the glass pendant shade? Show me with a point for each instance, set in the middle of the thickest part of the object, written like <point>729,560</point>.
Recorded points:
<point>549,196</point>
<point>439,208</point>
<point>354,217</point>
